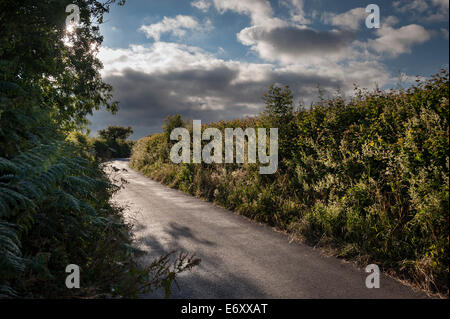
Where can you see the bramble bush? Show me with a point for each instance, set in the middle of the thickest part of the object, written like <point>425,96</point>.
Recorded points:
<point>367,176</point>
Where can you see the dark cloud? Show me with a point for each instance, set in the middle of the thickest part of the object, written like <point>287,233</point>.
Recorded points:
<point>292,40</point>
<point>208,95</point>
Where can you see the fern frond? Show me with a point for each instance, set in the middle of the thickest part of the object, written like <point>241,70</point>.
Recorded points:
<point>10,255</point>
<point>65,201</point>
<point>7,166</point>
<point>14,200</point>
<point>7,292</point>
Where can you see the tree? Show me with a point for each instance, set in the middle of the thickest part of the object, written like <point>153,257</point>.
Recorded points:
<point>279,102</point>
<point>280,114</point>
<point>115,132</point>
<point>171,123</point>
<point>57,70</point>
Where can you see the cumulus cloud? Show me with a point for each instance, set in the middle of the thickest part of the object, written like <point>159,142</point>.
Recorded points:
<point>177,26</point>
<point>290,43</point>
<point>286,42</point>
<point>444,4</point>
<point>163,79</point>
<point>442,13</point>
<point>348,20</point>
<point>160,79</point>
<point>202,5</point>
<point>260,11</point>
<point>427,10</point>
<point>397,41</point>
<point>274,39</point>
<point>414,5</point>
<point>297,12</point>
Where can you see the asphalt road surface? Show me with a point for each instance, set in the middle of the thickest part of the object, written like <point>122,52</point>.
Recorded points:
<point>240,258</point>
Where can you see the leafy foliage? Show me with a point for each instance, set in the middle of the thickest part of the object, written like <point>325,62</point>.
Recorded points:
<point>55,206</point>
<point>171,123</point>
<point>115,132</point>
<point>99,148</point>
<point>55,211</point>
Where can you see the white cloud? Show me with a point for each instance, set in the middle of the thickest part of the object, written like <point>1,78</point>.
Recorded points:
<point>259,10</point>
<point>444,33</point>
<point>390,21</point>
<point>296,10</point>
<point>414,5</point>
<point>152,59</point>
<point>348,20</point>
<point>444,4</point>
<point>437,17</point>
<point>287,42</point>
<point>177,26</point>
<point>440,13</point>
<point>398,41</point>
<point>202,5</point>
<point>163,59</point>
<point>405,79</point>
<point>274,39</point>
<point>427,10</point>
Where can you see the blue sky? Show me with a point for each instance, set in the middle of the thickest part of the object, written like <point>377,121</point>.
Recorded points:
<point>214,59</point>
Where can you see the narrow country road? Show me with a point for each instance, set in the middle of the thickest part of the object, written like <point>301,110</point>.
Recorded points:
<point>240,258</point>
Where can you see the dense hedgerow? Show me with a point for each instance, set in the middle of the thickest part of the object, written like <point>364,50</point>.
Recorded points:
<point>368,176</point>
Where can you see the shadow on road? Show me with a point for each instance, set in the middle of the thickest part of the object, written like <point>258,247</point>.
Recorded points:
<point>205,280</point>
